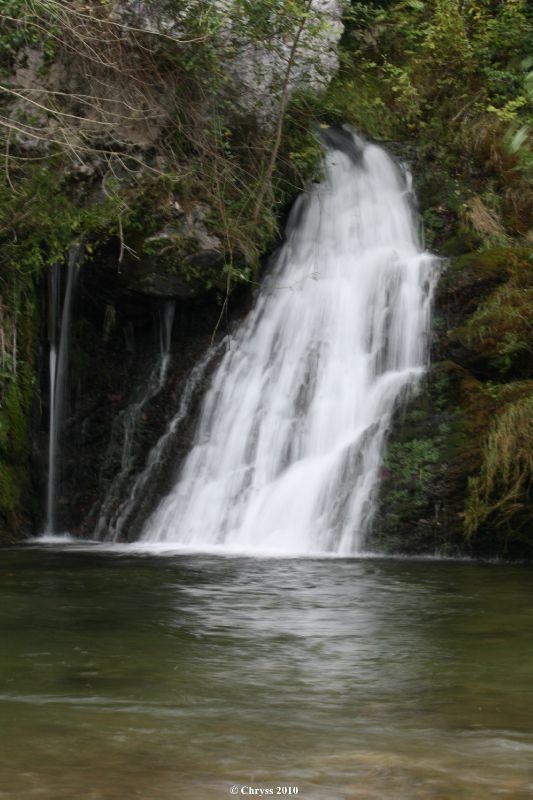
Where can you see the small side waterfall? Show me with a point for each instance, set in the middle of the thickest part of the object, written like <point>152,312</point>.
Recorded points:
<point>59,338</point>
<point>288,448</point>
<point>54,284</point>
<point>127,425</point>
<point>143,485</point>
<point>132,417</point>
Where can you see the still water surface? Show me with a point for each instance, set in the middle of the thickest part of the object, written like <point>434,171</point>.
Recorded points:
<point>137,676</point>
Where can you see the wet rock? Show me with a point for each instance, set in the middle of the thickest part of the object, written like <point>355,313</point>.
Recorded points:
<point>438,442</point>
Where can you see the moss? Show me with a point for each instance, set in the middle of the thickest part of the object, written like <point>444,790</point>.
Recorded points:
<point>425,470</point>
<point>500,495</point>
<point>455,469</point>
<point>10,490</point>
<point>497,287</point>
<point>13,423</point>
<point>498,336</point>
<point>470,277</point>
<point>411,462</point>
<point>456,245</point>
<point>16,395</point>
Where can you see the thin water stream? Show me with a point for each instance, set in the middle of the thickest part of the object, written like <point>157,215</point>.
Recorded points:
<point>59,322</point>
<point>173,678</point>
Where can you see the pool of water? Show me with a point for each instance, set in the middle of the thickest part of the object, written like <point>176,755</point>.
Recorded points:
<point>189,676</point>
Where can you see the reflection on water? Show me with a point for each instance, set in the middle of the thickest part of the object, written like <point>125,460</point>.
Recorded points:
<point>178,677</point>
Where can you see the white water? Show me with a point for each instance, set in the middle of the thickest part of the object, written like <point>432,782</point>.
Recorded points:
<point>288,449</point>
<point>126,426</point>
<point>59,336</point>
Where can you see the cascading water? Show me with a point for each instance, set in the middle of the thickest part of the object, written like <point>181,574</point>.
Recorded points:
<point>127,426</point>
<point>59,337</point>
<point>287,453</point>
<point>140,492</point>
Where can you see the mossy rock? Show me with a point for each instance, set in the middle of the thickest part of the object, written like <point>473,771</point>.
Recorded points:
<point>457,245</point>
<point>426,468</point>
<point>435,454</point>
<point>496,339</point>
<point>175,278</point>
<point>498,512</point>
<point>17,391</point>
<point>468,279</point>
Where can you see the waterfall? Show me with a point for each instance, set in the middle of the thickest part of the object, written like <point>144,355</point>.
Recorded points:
<point>59,338</point>
<point>127,426</point>
<point>287,453</point>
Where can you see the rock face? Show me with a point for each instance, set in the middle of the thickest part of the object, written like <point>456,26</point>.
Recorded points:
<point>253,56</point>
<point>255,64</point>
<point>122,394</point>
<point>258,68</point>
<point>184,258</point>
<point>435,495</point>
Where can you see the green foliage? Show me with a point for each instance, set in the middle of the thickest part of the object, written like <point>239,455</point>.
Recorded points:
<point>42,216</point>
<point>16,393</point>
<point>497,336</point>
<point>501,493</point>
<point>434,71</point>
<point>18,34</point>
<point>500,329</point>
<point>412,464</point>
<point>518,136</point>
<point>211,148</point>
